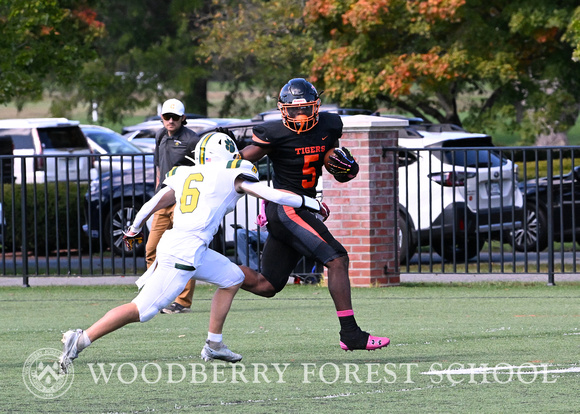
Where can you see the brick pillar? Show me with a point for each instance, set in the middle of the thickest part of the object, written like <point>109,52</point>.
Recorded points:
<point>363,211</point>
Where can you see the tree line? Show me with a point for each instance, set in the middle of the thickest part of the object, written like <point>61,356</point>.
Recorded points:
<point>484,65</point>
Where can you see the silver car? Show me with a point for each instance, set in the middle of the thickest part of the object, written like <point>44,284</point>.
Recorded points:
<point>116,152</point>
<point>51,149</point>
<point>143,134</point>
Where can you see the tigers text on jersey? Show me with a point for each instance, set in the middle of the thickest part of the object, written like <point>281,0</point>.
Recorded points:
<point>204,194</point>
<point>298,158</point>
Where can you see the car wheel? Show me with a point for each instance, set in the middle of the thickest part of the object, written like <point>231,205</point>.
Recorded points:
<point>122,217</point>
<point>406,247</point>
<point>457,250</point>
<point>533,237</point>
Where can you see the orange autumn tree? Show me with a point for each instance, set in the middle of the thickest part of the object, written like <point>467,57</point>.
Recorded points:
<point>495,63</point>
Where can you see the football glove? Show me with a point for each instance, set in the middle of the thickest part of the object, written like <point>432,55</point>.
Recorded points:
<point>319,208</point>
<point>324,211</point>
<point>262,220</point>
<point>131,238</point>
<point>342,165</point>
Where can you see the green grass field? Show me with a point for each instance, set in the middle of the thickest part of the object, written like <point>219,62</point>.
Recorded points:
<point>527,335</point>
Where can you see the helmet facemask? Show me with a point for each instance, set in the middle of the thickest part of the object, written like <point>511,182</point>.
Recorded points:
<point>299,103</point>
<point>300,115</point>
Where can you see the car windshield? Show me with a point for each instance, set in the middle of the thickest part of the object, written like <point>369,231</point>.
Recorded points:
<point>112,142</point>
<point>62,137</point>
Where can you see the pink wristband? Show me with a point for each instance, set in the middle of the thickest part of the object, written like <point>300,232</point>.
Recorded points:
<point>349,312</point>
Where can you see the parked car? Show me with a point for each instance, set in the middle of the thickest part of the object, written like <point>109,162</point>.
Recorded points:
<point>115,197</point>
<point>111,203</point>
<point>116,152</point>
<point>563,198</point>
<point>58,145</point>
<point>143,134</point>
<point>113,200</point>
<point>456,196</point>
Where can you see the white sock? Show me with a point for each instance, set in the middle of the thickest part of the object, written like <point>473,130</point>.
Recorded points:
<point>83,341</point>
<point>214,337</point>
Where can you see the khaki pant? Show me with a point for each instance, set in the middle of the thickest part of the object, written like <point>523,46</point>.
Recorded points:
<point>162,221</point>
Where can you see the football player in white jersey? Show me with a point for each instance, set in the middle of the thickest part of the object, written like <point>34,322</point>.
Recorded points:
<point>204,188</point>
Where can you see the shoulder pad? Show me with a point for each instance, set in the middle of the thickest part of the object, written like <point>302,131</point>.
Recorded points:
<point>247,169</point>
<point>269,132</point>
<point>239,163</point>
<point>171,172</point>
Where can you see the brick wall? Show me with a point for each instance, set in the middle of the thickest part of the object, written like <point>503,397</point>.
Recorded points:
<point>363,211</point>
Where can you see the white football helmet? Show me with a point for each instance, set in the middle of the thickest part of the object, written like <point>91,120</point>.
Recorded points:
<point>215,146</point>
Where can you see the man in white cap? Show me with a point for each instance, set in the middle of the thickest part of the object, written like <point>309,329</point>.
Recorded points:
<point>171,141</point>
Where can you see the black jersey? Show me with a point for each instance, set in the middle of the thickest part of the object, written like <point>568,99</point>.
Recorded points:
<point>298,158</point>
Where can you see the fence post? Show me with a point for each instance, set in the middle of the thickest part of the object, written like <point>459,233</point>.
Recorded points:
<point>550,218</point>
<point>23,211</point>
<point>364,211</point>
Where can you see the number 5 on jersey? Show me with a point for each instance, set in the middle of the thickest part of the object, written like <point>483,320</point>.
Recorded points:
<point>309,170</point>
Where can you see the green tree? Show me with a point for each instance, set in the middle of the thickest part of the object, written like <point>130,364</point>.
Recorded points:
<point>43,41</point>
<point>149,53</point>
<point>256,45</point>
<point>505,64</point>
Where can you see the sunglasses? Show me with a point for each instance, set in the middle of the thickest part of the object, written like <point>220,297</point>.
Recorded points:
<point>167,117</point>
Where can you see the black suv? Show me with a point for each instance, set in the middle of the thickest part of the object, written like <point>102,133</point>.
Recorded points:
<point>559,196</point>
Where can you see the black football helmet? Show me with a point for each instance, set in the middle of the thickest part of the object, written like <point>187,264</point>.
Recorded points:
<point>299,103</point>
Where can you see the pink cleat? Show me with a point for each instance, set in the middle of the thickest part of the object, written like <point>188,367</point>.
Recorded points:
<point>373,342</point>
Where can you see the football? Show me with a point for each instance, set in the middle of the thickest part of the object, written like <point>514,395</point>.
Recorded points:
<point>343,166</point>
<point>327,157</point>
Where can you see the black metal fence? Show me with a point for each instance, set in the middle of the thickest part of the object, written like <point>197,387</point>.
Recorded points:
<point>476,209</point>
<point>462,210</point>
<point>72,226</point>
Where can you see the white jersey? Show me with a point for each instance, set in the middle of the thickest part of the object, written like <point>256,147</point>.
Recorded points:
<point>204,194</point>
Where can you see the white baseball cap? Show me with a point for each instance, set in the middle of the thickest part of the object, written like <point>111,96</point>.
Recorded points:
<point>173,106</point>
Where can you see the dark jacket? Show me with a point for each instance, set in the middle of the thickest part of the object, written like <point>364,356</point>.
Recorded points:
<point>170,150</point>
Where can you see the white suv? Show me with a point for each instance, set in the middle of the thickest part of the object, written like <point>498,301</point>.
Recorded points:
<point>58,141</point>
<point>455,191</point>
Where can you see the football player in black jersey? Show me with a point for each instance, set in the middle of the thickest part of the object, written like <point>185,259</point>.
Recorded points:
<point>297,146</point>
